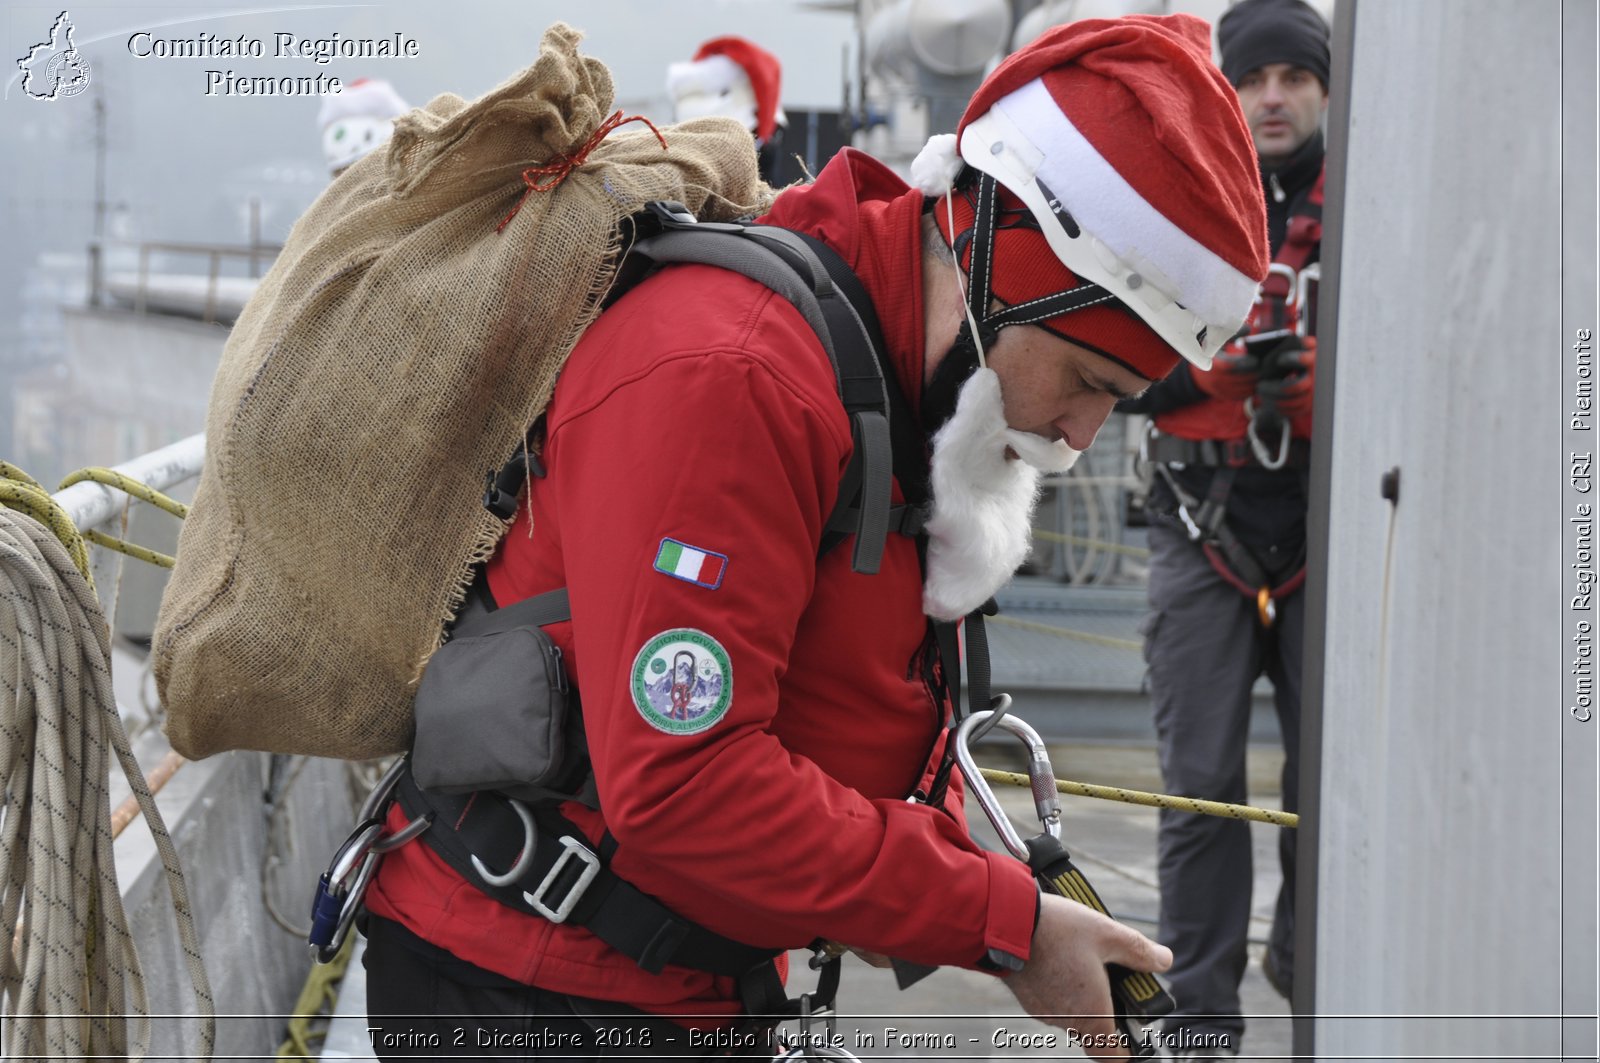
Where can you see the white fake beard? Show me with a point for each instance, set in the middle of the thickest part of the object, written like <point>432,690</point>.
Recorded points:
<point>983,501</point>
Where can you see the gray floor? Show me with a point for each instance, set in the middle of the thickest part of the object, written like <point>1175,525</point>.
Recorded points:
<point>957,1014</point>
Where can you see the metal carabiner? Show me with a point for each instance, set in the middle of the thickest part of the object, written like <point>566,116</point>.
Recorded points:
<point>1041,777</point>
<point>341,888</point>
<point>1264,456</point>
<point>1281,269</point>
<point>1137,998</point>
<point>378,800</point>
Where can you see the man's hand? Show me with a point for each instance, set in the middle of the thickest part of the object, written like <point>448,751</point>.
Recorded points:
<point>1232,376</point>
<point>1289,377</point>
<point>1064,981</point>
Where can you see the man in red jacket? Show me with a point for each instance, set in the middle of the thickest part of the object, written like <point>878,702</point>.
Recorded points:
<point>757,717</point>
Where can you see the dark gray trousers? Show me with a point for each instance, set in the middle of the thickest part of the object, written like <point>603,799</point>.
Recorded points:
<point>1205,648</point>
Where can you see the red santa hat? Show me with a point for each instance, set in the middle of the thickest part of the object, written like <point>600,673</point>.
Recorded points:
<point>758,64</point>
<point>1127,147</point>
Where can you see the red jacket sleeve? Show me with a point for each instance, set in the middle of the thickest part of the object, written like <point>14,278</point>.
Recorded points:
<point>722,450</point>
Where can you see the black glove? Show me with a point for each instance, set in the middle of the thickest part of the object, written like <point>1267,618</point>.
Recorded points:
<point>1288,377</point>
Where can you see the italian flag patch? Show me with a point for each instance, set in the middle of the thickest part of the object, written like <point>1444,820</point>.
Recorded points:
<point>691,564</point>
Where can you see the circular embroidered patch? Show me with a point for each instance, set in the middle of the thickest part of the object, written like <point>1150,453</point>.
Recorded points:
<point>682,681</point>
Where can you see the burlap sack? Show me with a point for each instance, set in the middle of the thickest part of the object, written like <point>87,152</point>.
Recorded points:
<point>395,353</point>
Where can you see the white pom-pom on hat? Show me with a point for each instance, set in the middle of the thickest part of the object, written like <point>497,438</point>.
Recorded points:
<point>937,165</point>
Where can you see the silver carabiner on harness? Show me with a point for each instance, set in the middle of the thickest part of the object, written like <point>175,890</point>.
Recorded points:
<point>1041,776</point>
<point>1267,459</point>
<point>341,888</point>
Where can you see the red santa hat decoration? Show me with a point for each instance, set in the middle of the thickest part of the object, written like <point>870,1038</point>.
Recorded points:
<point>1127,146</point>
<point>733,77</point>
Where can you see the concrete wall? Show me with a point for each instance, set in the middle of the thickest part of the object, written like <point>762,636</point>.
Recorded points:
<point>1443,715</point>
<point>129,384</point>
<point>215,811</point>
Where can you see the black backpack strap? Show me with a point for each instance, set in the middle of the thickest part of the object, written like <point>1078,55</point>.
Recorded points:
<point>908,449</point>
<point>833,302</point>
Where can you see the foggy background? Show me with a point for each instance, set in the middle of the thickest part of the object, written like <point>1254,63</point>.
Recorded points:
<point>182,166</point>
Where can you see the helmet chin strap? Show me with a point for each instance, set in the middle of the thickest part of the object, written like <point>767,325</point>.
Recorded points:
<point>976,297</point>
<point>966,302</point>
<point>980,325</point>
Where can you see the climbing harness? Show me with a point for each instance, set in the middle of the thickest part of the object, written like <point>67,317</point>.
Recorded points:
<point>1137,998</point>
<point>519,849</point>
<point>1206,526</point>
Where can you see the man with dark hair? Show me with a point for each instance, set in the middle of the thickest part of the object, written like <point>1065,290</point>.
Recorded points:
<point>1230,450</point>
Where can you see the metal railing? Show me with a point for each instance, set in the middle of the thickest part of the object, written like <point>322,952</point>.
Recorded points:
<point>254,254</point>
<point>92,504</point>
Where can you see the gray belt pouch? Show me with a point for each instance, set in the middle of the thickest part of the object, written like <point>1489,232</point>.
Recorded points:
<point>494,710</point>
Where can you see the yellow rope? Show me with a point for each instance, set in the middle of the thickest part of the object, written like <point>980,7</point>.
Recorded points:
<point>9,471</point>
<point>144,493</point>
<point>319,993</point>
<point>111,478</point>
<point>1139,797</point>
<point>1078,540</point>
<point>133,550</point>
<point>21,492</point>
<point>1082,636</point>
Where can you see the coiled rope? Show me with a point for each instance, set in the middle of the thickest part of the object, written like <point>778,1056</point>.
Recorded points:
<point>72,977</point>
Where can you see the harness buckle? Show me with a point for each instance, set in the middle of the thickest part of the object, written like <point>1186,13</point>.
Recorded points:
<point>671,214</point>
<point>574,850</point>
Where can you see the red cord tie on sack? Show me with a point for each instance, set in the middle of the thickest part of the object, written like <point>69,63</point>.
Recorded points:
<point>546,177</point>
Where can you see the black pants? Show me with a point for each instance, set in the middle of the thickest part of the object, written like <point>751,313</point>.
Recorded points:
<point>424,1003</point>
